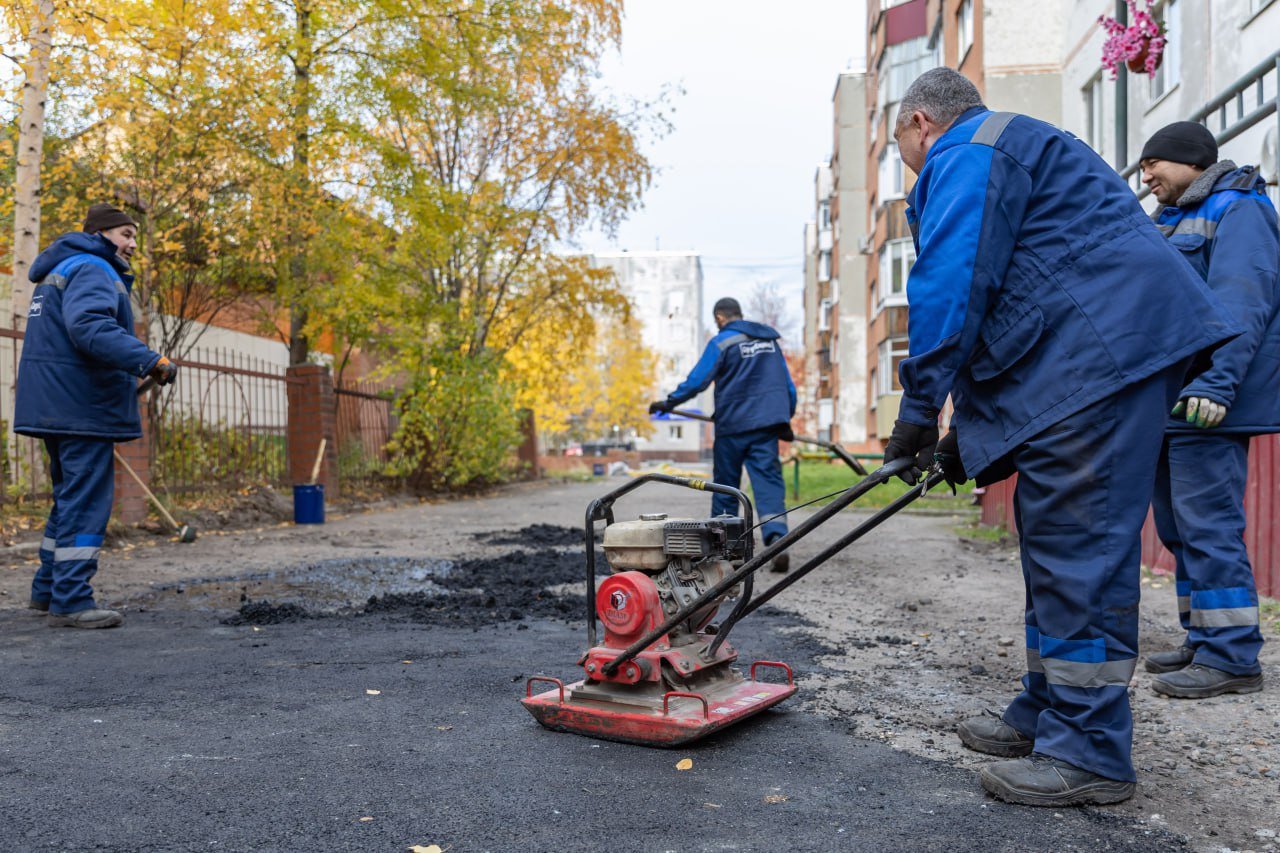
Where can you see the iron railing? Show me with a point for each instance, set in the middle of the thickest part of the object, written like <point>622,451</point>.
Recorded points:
<point>365,424</point>
<point>1233,99</point>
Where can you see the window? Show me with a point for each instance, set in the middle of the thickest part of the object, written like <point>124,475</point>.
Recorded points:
<point>1256,6</point>
<point>824,266</point>
<point>824,316</point>
<point>900,65</point>
<point>676,431</point>
<point>891,353</point>
<point>891,184</point>
<point>896,259</point>
<point>964,30</point>
<point>1166,76</point>
<point>1093,113</point>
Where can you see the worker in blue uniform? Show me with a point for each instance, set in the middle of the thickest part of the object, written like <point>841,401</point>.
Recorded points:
<point>1218,216</point>
<point>1062,325</point>
<point>755,400</point>
<point>77,390</point>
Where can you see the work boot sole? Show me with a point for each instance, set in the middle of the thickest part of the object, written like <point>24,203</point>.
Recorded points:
<point>998,748</point>
<point>781,564</point>
<point>1243,684</point>
<point>59,621</point>
<point>1100,793</point>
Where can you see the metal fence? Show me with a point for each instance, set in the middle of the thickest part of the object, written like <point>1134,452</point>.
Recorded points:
<point>24,469</point>
<point>223,424</point>
<point>365,423</point>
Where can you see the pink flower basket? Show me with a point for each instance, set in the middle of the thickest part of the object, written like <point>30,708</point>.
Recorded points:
<point>1139,46</point>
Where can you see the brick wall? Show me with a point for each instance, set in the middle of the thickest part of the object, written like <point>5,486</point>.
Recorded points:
<point>312,416</point>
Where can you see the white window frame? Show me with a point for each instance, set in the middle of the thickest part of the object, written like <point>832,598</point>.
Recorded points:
<point>1166,77</point>
<point>824,315</point>
<point>891,180</point>
<point>1094,112</point>
<point>964,31</point>
<point>900,255</point>
<point>886,376</point>
<point>676,432</point>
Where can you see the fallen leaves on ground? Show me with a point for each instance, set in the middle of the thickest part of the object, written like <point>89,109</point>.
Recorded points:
<point>374,692</point>
<point>431,848</point>
<point>684,764</point>
<point>774,799</point>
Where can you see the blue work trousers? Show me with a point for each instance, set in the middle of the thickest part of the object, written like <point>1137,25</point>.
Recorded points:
<point>758,450</point>
<point>1199,511</point>
<point>82,471</point>
<point>1084,486</point>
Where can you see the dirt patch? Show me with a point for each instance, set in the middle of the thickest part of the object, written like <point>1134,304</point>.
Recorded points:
<point>252,507</point>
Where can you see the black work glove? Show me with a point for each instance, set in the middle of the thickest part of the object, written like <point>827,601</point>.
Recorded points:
<point>660,407</point>
<point>911,440</point>
<point>785,432</point>
<point>164,371</point>
<point>947,455</point>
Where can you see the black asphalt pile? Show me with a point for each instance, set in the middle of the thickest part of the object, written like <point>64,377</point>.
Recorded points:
<point>488,590</point>
<point>535,536</point>
<point>266,613</point>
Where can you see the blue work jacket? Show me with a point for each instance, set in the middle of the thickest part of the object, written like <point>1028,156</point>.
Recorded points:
<point>753,385</point>
<point>1040,286</point>
<point>1225,226</point>
<point>81,359</point>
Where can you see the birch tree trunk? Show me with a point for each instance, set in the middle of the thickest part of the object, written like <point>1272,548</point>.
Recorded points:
<point>26,219</point>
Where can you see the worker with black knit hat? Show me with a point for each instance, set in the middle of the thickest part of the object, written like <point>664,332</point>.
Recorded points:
<point>77,390</point>
<point>1220,219</point>
<point>755,401</point>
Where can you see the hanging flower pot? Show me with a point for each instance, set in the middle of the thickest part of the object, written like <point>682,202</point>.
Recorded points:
<point>1138,63</point>
<point>1138,46</point>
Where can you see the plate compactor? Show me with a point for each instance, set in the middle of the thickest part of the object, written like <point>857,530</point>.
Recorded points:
<point>664,674</point>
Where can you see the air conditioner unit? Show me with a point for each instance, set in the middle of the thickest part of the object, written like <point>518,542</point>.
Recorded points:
<point>864,244</point>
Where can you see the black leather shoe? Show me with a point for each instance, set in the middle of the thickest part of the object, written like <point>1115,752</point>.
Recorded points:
<point>1044,781</point>
<point>1201,682</point>
<point>994,736</point>
<point>1170,661</point>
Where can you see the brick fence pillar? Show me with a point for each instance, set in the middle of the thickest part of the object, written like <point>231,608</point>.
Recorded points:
<point>527,453</point>
<point>313,415</point>
<point>131,505</point>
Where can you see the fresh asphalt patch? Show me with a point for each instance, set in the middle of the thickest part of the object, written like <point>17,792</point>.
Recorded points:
<point>397,723</point>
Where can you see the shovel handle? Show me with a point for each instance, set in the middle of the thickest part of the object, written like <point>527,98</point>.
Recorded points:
<point>134,474</point>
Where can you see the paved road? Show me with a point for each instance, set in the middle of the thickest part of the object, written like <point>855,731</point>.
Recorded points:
<point>181,733</point>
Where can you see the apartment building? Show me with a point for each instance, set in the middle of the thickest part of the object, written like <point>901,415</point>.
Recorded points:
<point>665,289</point>
<point>1010,49</point>
<point>835,274</point>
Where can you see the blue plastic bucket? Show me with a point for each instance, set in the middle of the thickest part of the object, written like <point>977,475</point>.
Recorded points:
<point>308,504</point>
<point>597,469</point>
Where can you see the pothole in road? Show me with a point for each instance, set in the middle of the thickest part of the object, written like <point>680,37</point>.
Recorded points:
<point>519,584</point>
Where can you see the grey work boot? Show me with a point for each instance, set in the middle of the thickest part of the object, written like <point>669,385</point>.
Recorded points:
<point>992,735</point>
<point>1200,682</point>
<point>1170,661</point>
<point>91,618</point>
<point>38,607</point>
<point>1044,781</point>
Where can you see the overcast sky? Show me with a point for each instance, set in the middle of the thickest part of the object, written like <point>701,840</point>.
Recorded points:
<point>752,125</point>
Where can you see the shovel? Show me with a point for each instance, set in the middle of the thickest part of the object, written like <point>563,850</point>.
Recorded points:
<point>186,533</point>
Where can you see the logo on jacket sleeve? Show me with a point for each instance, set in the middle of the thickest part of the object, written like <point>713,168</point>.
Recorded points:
<point>751,349</point>
<point>37,306</point>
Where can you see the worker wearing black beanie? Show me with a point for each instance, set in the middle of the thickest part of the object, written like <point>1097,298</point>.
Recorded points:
<point>103,217</point>
<point>1182,142</point>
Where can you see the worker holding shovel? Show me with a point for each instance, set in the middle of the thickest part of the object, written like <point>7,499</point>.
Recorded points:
<point>77,390</point>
